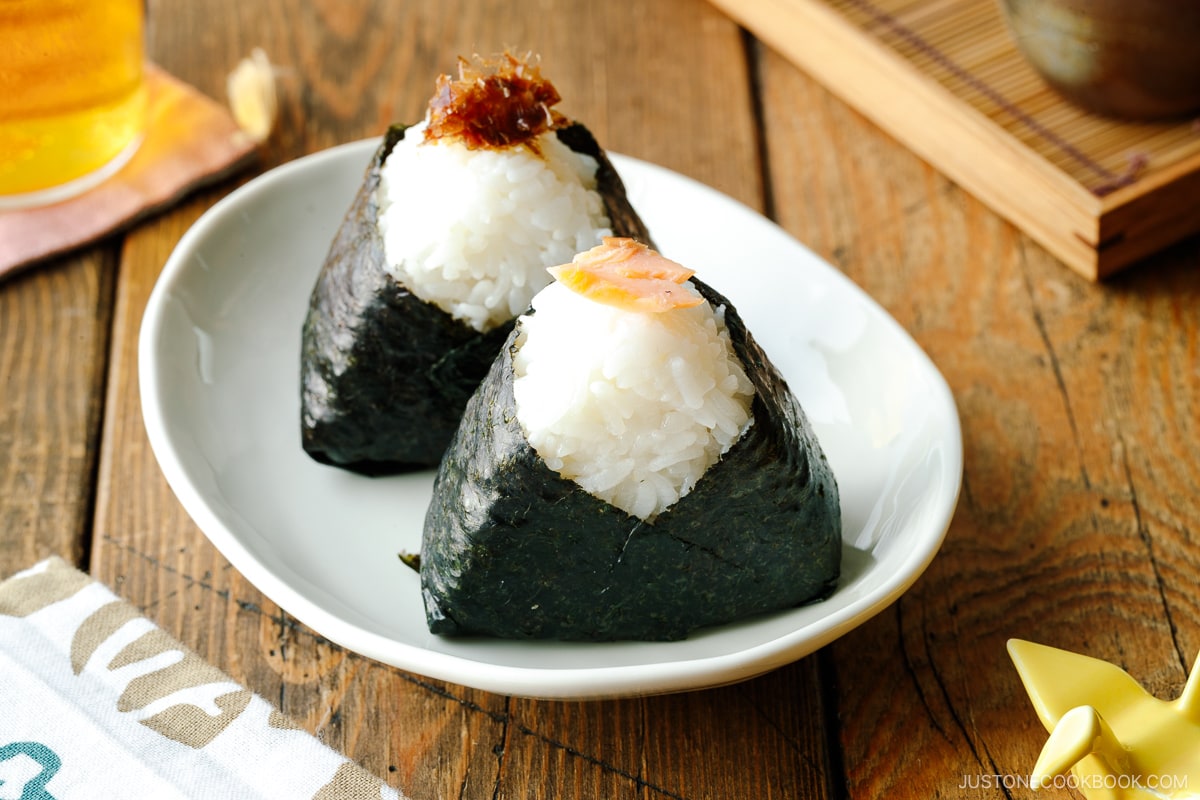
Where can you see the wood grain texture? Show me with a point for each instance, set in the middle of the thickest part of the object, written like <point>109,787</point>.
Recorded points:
<point>1079,409</point>
<point>53,340</point>
<point>346,70</point>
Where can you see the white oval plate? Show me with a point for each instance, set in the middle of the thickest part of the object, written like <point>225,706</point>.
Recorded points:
<point>219,363</point>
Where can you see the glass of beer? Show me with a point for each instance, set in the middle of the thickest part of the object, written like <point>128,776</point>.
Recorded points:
<point>72,95</point>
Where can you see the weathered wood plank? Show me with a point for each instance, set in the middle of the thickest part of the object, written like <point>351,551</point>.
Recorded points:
<point>1079,407</point>
<point>54,321</point>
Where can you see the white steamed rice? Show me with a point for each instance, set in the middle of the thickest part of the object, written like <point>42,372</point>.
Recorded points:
<point>473,231</point>
<point>632,406</point>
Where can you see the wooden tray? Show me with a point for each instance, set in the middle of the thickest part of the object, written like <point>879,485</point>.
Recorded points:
<point>944,77</point>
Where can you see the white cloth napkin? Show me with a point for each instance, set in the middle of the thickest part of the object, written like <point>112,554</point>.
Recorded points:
<point>98,702</point>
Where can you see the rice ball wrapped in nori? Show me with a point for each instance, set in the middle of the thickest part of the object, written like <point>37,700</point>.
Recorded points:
<point>447,240</point>
<point>626,375</point>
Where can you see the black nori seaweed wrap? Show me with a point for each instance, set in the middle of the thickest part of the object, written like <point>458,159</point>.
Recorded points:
<point>384,375</point>
<point>513,549</point>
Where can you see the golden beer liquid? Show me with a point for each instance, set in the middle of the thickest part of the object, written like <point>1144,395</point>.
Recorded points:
<point>72,92</point>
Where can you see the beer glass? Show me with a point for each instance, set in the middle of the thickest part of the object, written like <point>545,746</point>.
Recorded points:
<point>72,95</point>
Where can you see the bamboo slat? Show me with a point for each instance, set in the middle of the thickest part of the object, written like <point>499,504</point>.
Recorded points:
<point>946,79</point>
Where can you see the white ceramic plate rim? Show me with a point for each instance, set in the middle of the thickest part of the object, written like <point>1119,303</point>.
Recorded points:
<point>462,664</point>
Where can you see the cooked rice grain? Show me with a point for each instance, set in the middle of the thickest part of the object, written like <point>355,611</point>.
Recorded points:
<point>632,406</point>
<point>473,231</point>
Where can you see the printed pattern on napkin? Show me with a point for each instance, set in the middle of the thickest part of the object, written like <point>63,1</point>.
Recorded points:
<point>98,702</point>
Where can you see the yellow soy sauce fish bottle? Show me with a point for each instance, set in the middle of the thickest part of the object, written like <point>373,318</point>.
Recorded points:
<point>1109,738</point>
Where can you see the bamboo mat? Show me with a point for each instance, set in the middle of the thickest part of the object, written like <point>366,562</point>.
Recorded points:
<point>944,77</point>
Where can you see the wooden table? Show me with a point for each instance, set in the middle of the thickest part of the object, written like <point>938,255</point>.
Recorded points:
<point>1078,523</point>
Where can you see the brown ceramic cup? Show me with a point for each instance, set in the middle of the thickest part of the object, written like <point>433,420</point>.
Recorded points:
<point>1137,59</point>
